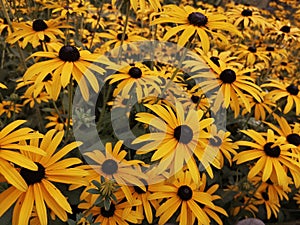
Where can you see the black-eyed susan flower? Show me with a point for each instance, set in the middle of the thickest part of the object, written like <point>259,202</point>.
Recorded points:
<point>260,109</point>
<point>224,146</point>
<point>115,39</point>
<point>119,213</point>
<point>247,16</point>
<point>9,153</point>
<point>179,134</point>
<point>57,121</point>
<point>112,165</point>
<point>194,22</point>
<point>141,5</point>
<point>252,54</point>
<point>35,32</point>
<point>132,79</point>
<point>8,108</point>
<point>287,91</point>
<point>271,154</point>
<point>41,192</point>
<point>229,83</point>
<point>192,201</point>
<point>284,31</point>
<point>272,207</point>
<point>67,63</point>
<point>31,101</point>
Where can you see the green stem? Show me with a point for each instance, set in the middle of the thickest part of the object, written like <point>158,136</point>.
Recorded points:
<point>70,100</point>
<point>124,32</point>
<point>22,59</point>
<point>105,99</point>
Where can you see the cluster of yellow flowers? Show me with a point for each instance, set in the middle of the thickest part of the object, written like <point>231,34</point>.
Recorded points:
<point>213,110</point>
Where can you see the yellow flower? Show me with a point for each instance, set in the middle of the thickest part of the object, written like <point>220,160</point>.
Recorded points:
<point>9,144</point>
<point>41,192</point>
<point>194,22</point>
<point>67,63</point>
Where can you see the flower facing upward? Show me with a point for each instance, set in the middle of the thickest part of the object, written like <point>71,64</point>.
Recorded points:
<point>192,201</point>
<point>272,155</point>
<point>194,22</point>
<point>112,164</point>
<point>178,136</point>
<point>229,83</point>
<point>135,78</point>
<point>35,32</point>
<point>67,63</point>
<point>41,192</point>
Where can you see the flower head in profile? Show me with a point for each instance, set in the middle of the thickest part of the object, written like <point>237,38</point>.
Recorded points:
<point>67,63</point>
<point>194,22</point>
<point>42,192</point>
<point>178,135</point>
<point>35,32</point>
<point>194,202</point>
<point>9,108</point>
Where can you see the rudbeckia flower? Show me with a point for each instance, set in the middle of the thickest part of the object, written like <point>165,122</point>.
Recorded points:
<point>135,78</point>
<point>260,109</point>
<point>36,31</point>
<point>194,22</point>
<point>119,213</point>
<point>284,31</point>
<point>58,122</point>
<point>192,201</point>
<point>112,165</point>
<point>141,4</point>
<point>285,90</point>
<point>272,156</point>
<point>247,16</point>
<point>272,207</point>
<point>230,83</point>
<point>252,55</point>
<point>42,192</point>
<point>42,97</point>
<point>9,143</point>
<point>67,63</point>
<point>178,136</point>
<point>9,107</point>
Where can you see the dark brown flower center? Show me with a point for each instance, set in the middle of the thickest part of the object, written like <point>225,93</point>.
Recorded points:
<point>272,151</point>
<point>69,53</point>
<point>270,48</point>
<point>119,36</point>
<point>183,134</point>
<point>185,193</point>
<point>108,213</point>
<point>215,60</point>
<point>94,17</point>
<point>292,89</point>
<point>246,12</point>
<point>39,25</point>
<point>32,177</point>
<point>285,29</point>
<point>228,76</point>
<point>265,196</point>
<point>215,141</point>
<point>293,139</point>
<point>252,49</point>
<point>6,107</point>
<point>283,63</point>
<point>135,72</point>
<point>197,19</point>
<point>109,167</point>
<point>195,99</point>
